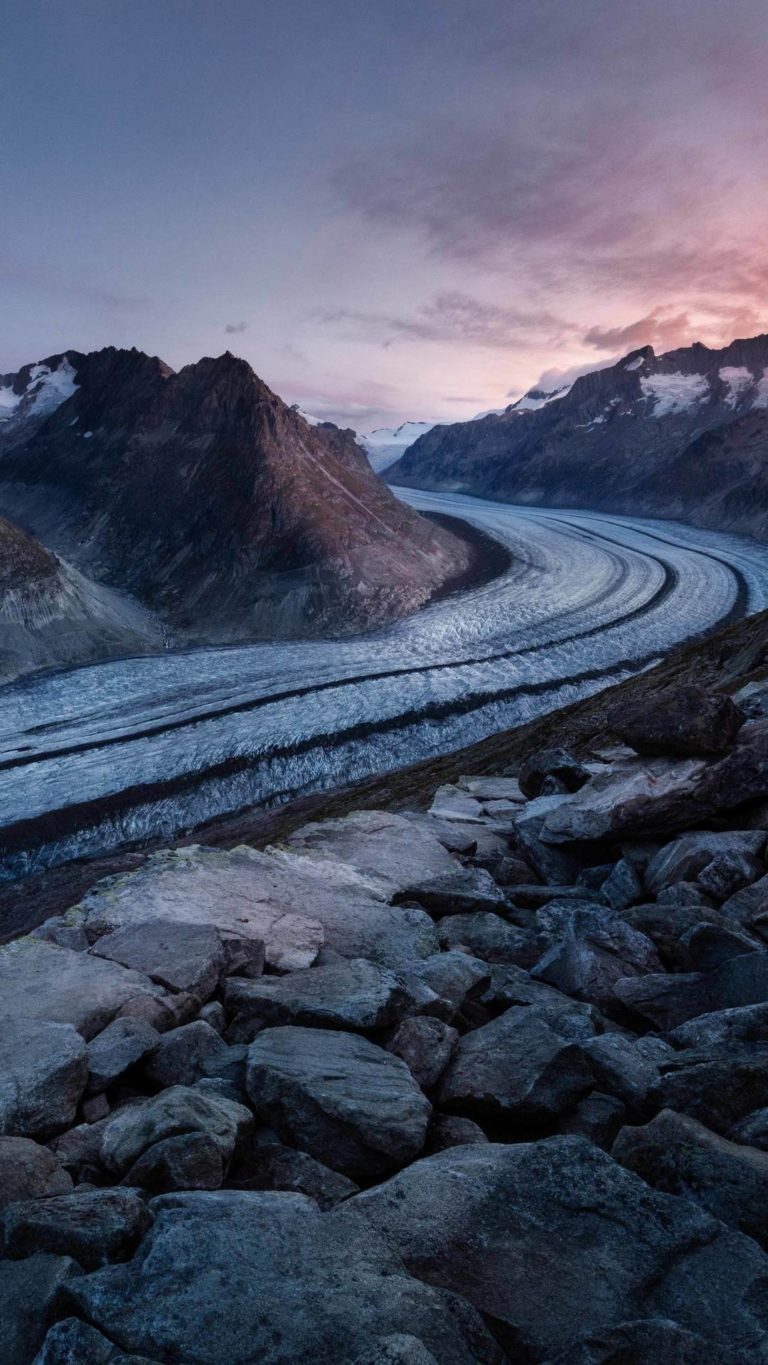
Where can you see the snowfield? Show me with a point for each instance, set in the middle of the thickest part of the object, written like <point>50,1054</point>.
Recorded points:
<point>165,743</point>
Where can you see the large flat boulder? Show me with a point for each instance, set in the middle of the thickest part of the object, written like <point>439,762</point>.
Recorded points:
<point>266,1278</point>
<point>182,957</point>
<point>172,1113</point>
<point>554,1241</point>
<point>43,1074</point>
<point>668,1000</point>
<point>632,798</point>
<point>682,720</point>
<point>40,980</point>
<point>374,850</point>
<point>348,1103</point>
<point>685,857</point>
<point>241,894</point>
<point>92,1226</point>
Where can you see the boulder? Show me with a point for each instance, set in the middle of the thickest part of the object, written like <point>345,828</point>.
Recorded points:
<point>450,1130</point>
<point>459,892</point>
<point>634,798</point>
<point>29,1292</point>
<point>682,720</point>
<point>628,1068</point>
<point>74,1342</point>
<point>482,934</point>
<point>667,1001</point>
<point>553,1241</point>
<point>517,1069</point>
<point>350,1104</point>
<point>657,1340</point>
<point>486,788</point>
<point>354,994</point>
<point>685,858</point>
<point>28,1171</point>
<point>684,893</point>
<point>571,1019</point>
<point>597,1118</point>
<point>263,1277</point>
<point>426,1046</point>
<point>93,1227</point>
<point>275,1167</point>
<point>753,1130</point>
<point>454,976</point>
<point>79,1152</point>
<point>451,803</point>
<point>116,1049</point>
<point>718,1085</point>
<point>398,1349</point>
<point>374,850</point>
<point>243,893</point>
<point>728,873</point>
<point>667,925</point>
<point>43,1073</point>
<point>710,945</point>
<point>551,763</point>
<point>39,980</point>
<point>748,906</point>
<point>622,887</point>
<point>191,1161</point>
<point>677,1154</point>
<point>173,1112</point>
<point>556,866</point>
<point>597,950</point>
<point>185,1054</point>
<point>183,957</point>
<point>744,1024</point>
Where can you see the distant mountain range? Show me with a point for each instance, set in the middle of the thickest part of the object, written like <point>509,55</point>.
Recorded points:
<point>680,435</point>
<point>196,504</point>
<point>384,445</point>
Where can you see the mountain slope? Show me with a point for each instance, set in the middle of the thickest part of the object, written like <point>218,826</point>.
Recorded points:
<point>50,614</point>
<point>217,505</point>
<point>684,434</point>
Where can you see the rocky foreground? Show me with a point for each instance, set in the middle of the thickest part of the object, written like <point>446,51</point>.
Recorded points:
<point>483,1084</point>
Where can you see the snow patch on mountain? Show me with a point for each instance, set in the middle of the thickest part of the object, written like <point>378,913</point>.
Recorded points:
<point>738,378</point>
<point>384,445</point>
<point>538,398</point>
<point>761,395</point>
<point>672,393</point>
<point>45,390</point>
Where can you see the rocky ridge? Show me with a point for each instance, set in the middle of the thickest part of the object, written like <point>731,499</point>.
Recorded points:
<point>207,499</point>
<point>679,435</point>
<point>486,1083</point>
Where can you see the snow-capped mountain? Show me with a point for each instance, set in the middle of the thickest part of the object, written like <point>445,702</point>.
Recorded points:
<point>384,445</point>
<point>683,434</point>
<point>209,500</point>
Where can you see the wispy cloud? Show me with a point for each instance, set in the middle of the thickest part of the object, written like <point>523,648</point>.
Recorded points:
<point>454,317</point>
<point>233,327</point>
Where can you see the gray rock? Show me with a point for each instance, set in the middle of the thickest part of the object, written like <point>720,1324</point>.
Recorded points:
<point>185,1054</point>
<point>183,957</point>
<point>79,1152</point>
<point>597,950</point>
<point>657,1340</point>
<point>753,1130</point>
<point>29,1291</point>
<point>120,1046</point>
<point>571,1019</point>
<point>718,1085</point>
<point>350,1104</point>
<point>685,858</point>
<point>353,994</point>
<point>213,1014</point>
<point>745,1024</point>
<point>452,803</point>
<point>281,1281</point>
<point>623,887</point>
<point>504,1224</point>
<point>450,1130</point>
<point>728,873</point>
<point>454,976</point>
<point>373,849</point>
<point>172,1113</point>
<point>191,1161</point>
<point>43,1073</point>
<point>636,797</point>
<point>684,719</point>
<point>242,893</point>
<point>666,925</point>
<point>486,787</point>
<point>484,934</point>
<point>749,906</point>
<point>554,865</point>
<point>546,763</point>
<point>28,1171</point>
<point>515,1068</point>
<point>628,1068</point>
<point>426,1046</point>
<point>667,1001</point>
<point>73,1342</point>
<point>684,893</point>
<point>459,892</point>
<point>40,981</point>
<point>399,1349</point>
<point>92,1227</point>
<point>275,1167</point>
<point>676,1154</point>
<point>597,1117</point>
<point>710,945</point>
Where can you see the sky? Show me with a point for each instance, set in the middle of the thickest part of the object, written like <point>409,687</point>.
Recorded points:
<point>391,208</point>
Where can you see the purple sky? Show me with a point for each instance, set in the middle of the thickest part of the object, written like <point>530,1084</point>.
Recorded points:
<point>405,208</point>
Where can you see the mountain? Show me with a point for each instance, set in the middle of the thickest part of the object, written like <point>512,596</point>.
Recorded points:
<point>204,496</point>
<point>384,445</point>
<point>50,614</point>
<point>681,435</point>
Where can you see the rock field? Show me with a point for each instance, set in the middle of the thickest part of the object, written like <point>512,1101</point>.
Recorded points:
<point>483,1085</point>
